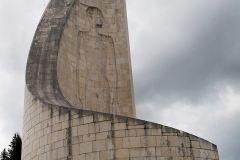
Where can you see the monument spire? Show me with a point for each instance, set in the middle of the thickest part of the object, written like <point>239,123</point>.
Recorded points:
<point>79,100</point>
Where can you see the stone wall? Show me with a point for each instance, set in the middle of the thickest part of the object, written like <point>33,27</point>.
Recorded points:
<point>79,101</point>
<point>53,132</point>
<point>94,69</point>
<point>80,57</point>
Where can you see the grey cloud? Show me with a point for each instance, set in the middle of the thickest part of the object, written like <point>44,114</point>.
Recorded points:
<point>17,32</point>
<point>187,51</point>
<point>227,141</point>
<point>205,52</point>
<point>18,22</point>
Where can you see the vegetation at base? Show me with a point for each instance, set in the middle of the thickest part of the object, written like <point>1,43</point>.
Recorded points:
<point>14,150</point>
<point>4,155</point>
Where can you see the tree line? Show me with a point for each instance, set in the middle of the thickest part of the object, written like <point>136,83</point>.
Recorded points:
<point>15,149</point>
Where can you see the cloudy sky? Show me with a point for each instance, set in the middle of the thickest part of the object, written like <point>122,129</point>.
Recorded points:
<point>185,59</point>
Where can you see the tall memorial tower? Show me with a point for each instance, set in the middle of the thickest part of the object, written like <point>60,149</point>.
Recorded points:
<point>79,99</point>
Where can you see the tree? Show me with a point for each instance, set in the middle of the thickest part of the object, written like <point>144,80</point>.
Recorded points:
<point>15,148</point>
<point>4,155</point>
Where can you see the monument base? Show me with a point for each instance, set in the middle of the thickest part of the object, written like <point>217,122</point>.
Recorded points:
<point>60,133</point>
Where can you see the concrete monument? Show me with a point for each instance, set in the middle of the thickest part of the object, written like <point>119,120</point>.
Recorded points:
<point>79,100</point>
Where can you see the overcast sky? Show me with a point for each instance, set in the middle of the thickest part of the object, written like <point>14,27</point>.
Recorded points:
<point>185,60</point>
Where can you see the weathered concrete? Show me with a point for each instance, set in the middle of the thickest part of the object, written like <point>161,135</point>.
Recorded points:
<point>54,132</point>
<point>80,57</point>
<point>79,101</point>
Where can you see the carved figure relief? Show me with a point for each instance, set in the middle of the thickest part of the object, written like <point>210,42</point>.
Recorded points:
<point>97,62</point>
<point>93,66</point>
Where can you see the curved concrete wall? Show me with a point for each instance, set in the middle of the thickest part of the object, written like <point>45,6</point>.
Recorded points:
<point>41,70</point>
<point>53,132</point>
<point>79,101</point>
<point>80,57</point>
